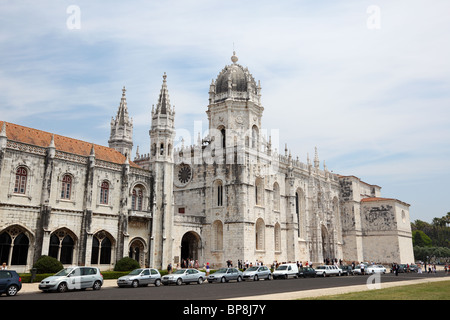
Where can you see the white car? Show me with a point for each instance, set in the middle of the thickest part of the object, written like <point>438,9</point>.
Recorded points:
<point>325,271</point>
<point>73,278</point>
<point>285,271</point>
<point>376,268</point>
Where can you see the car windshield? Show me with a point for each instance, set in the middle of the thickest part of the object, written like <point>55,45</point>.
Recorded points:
<point>180,271</point>
<point>135,272</point>
<point>321,267</point>
<point>252,269</point>
<point>282,268</point>
<point>222,270</point>
<point>64,272</point>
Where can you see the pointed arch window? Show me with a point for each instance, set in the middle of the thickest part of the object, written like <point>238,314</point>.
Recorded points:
<point>101,248</point>
<point>14,244</point>
<point>61,247</point>
<point>218,194</point>
<point>104,192</point>
<point>21,180</point>
<point>260,234</point>
<point>259,192</point>
<point>66,187</point>
<point>137,198</point>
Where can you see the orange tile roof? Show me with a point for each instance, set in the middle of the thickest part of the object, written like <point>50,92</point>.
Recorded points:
<point>40,138</point>
<point>373,199</point>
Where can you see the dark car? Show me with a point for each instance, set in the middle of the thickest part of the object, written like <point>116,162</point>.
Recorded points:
<point>10,282</point>
<point>307,272</point>
<point>347,270</point>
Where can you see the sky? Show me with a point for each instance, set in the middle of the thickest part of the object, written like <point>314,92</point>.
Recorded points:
<point>366,82</point>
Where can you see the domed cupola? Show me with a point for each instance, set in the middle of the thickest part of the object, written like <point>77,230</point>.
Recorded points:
<point>234,82</point>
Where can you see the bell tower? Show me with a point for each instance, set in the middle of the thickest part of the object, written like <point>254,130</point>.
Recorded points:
<point>234,108</point>
<point>162,134</point>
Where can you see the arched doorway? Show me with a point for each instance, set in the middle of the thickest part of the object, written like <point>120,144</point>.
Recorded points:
<point>137,251</point>
<point>190,245</point>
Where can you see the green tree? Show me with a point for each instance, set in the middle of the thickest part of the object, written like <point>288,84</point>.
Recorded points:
<point>420,239</point>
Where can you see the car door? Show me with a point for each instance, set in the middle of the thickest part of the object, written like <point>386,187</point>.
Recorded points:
<point>145,277</point>
<point>5,279</point>
<point>87,277</point>
<point>193,275</point>
<point>154,275</point>
<point>74,280</point>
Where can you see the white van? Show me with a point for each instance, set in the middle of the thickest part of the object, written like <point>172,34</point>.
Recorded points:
<point>286,270</point>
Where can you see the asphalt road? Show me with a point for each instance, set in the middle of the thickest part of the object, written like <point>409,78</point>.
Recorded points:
<point>215,291</point>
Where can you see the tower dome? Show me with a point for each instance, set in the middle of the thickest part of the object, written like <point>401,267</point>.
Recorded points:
<point>235,82</point>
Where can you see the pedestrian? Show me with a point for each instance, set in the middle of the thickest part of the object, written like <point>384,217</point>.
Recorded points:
<point>169,268</point>
<point>396,266</point>
<point>207,269</point>
<point>362,267</point>
<point>4,267</point>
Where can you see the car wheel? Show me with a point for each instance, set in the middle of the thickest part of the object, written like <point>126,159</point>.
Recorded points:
<point>239,279</point>
<point>269,277</point>
<point>223,280</point>
<point>62,287</point>
<point>324,274</point>
<point>135,284</point>
<point>179,281</point>
<point>255,278</point>
<point>200,280</point>
<point>157,282</point>
<point>12,290</point>
<point>97,285</point>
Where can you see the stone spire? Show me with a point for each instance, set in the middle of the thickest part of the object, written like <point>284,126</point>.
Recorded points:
<point>121,137</point>
<point>316,159</point>
<point>163,106</point>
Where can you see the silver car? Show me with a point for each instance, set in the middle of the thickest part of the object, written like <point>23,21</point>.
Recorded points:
<point>225,275</point>
<point>256,273</point>
<point>184,276</point>
<point>73,278</point>
<point>140,277</point>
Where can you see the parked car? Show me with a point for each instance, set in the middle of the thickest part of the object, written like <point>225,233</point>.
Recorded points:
<point>328,270</point>
<point>140,277</point>
<point>10,282</point>
<point>375,268</point>
<point>73,278</point>
<point>347,270</point>
<point>285,271</point>
<point>225,275</point>
<point>307,272</point>
<point>184,276</point>
<point>256,273</point>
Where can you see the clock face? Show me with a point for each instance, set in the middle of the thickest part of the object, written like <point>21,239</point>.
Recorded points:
<point>184,173</point>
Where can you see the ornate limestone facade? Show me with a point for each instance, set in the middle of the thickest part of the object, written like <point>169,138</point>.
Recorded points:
<point>233,195</point>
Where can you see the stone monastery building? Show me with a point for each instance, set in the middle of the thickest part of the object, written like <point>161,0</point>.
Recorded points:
<point>231,196</point>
